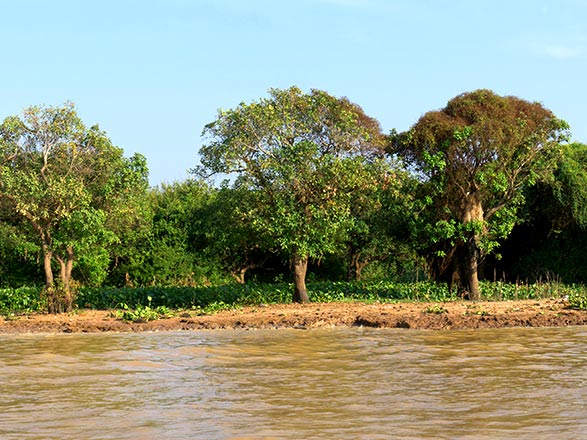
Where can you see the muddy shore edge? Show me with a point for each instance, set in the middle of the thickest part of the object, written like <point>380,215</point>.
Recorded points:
<point>409,315</point>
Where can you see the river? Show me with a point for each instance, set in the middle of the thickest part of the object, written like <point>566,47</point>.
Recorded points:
<point>340,383</point>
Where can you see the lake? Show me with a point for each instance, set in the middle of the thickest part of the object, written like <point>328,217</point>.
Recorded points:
<point>337,383</point>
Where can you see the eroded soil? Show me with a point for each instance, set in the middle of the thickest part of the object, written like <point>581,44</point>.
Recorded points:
<point>430,316</point>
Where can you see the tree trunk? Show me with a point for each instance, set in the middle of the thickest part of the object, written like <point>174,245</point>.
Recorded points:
<point>356,267</point>
<point>65,274</point>
<point>472,212</point>
<point>359,269</point>
<point>61,296</point>
<point>355,271</point>
<point>300,266</point>
<point>49,292</point>
<point>47,257</point>
<point>471,265</point>
<point>239,275</point>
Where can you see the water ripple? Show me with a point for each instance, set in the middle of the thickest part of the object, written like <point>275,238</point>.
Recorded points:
<point>292,384</point>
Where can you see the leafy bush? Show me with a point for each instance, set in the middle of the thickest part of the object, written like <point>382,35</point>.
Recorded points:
<point>21,300</point>
<point>577,298</point>
<point>143,313</point>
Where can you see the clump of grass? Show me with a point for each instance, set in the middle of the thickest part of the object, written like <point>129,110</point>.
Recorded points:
<point>476,310</point>
<point>142,313</point>
<point>435,309</point>
<point>577,298</point>
<point>215,307</point>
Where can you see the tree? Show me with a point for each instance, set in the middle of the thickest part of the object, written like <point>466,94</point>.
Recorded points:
<point>380,231</point>
<point>174,257</point>
<point>129,217</point>
<point>222,231</point>
<point>17,257</point>
<point>474,157</point>
<point>550,242</point>
<point>61,179</point>
<point>165,245</point>
<point>303,155</point>
<point>569,188</point>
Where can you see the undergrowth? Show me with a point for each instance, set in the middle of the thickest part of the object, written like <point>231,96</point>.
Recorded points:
<point>147,303</point>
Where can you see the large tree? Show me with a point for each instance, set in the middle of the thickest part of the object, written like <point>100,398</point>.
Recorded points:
<point>303,155</point>
<point>62,179</point>
<point>474,157</point>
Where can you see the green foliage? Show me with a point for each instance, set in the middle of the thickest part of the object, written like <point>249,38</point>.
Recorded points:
<point>22,300</point>
<point>435,309</point>
<point>173,255</point>
<point>162,247</point>
<point>63,181</point>
<point>220,297</point>
<point>302,156</point>
<point>569,186</point>
<point>144,304</point>
<point>18,257</point>
<point>379,236</point>
<point>577,298</point>
<point>474,159</point>
<point>310,182</point>
<point>222,233</point>
<point>215,307</point>
<point>130,220</point>
<point>142,313</point>
<point>550,243</point>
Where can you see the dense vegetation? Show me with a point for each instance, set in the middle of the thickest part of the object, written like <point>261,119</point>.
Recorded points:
<point>487,188</point>
<point>205,300</point>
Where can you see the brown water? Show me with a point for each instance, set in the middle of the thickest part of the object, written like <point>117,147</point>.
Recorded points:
<point>296,384</point>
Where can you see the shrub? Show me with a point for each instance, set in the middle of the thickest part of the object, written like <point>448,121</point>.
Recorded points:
<point>21,300</point>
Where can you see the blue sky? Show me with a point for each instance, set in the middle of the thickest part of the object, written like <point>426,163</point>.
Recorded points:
<point>152,73</point>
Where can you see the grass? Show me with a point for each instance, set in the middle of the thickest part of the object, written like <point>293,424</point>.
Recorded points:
<point>147,303</point>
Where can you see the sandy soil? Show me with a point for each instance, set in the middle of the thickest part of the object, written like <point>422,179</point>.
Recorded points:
<point>430,316</point>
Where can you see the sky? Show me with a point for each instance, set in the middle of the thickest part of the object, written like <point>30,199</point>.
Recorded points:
<point>153,73</point>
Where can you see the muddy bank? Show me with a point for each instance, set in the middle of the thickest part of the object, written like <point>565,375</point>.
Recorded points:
<point>429,316</point>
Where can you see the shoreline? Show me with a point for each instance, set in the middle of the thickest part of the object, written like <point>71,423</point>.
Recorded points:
<point>408,315</point>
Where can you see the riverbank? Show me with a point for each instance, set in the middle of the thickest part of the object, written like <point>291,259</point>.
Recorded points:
<point>414,315</point>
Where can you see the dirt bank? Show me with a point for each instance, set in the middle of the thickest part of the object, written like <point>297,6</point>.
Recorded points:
<point>430,316</point>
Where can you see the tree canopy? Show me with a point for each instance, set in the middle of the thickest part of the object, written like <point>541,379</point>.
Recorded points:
<point>486,185</point>
<point>302,155</point>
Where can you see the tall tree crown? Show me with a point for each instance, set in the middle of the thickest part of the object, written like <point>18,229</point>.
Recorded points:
<point>485,142</point>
